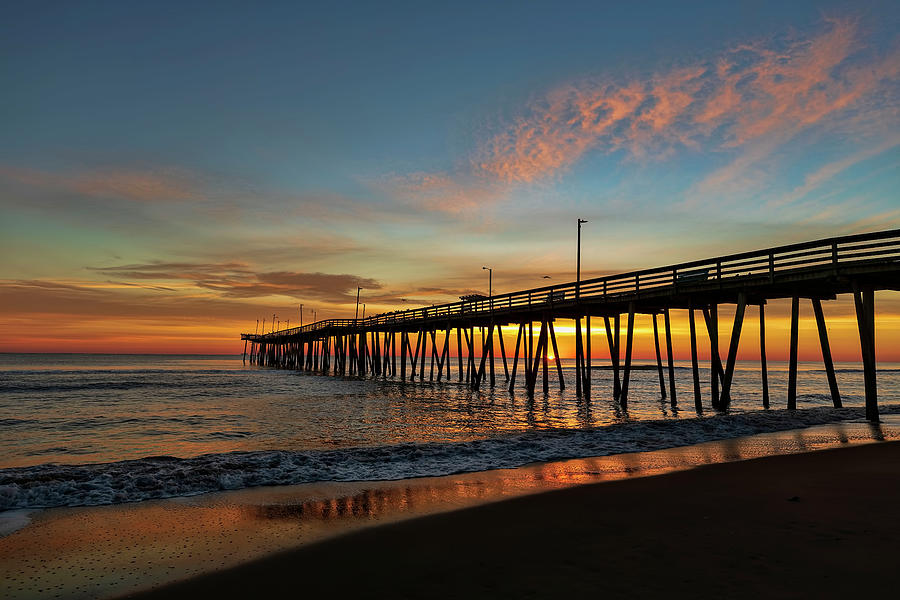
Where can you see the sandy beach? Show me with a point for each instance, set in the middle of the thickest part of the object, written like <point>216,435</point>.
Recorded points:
<point>820,524</point>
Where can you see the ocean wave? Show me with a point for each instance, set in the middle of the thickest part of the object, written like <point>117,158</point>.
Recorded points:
<point>51,485</point>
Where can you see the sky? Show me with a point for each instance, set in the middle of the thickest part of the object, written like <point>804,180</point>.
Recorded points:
<point>170,173</point>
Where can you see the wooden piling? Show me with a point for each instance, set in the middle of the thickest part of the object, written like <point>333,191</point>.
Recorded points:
<point>670,357</point>
<point>544,357</point>
<point>579,375</point>
<point>826,352</point>
<point>586,386</point>
<point>711,317</point>
<point>459,354</point>
<point>512,378</point>
<point>733,349</point>
<point>559,371</point>
<point>792,366</point>
<point>762,355</point>
<point>695,367</point>
<point>659,367</point>
<point>503,352</point>
<point>613,341</point>
<point>626,375</point>
<point>864,299</point>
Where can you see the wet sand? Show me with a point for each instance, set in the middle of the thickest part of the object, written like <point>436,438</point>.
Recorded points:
<point>820,524</point>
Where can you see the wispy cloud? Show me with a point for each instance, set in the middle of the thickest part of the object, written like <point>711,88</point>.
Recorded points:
<point>152,186</point>
<point>752,97</point>
<point>828,171</point>
<point>442,192</point>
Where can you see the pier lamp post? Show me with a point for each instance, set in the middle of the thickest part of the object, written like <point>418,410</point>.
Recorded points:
<point>301,315</point>
<point>578,262</point>
<point>358,290</point>
<point>273,322</point>
<point>490,285</point>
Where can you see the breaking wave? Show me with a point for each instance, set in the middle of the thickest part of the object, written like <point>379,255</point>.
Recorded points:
<point>51,485</point>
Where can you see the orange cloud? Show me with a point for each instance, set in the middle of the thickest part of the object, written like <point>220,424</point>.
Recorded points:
<point>754,91</point>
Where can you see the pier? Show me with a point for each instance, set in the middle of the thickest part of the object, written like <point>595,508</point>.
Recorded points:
<point>814,271</point>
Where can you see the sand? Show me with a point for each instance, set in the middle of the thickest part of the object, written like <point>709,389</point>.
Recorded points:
<point>820,524</point>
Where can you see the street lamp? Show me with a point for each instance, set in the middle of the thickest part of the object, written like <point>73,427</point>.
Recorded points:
<point>490,285</point>
<point>301,315</point>
<point>358,290</point>
<point>578,262</point>
<point>273,322</point>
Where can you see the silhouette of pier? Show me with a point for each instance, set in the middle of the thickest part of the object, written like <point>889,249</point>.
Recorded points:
<point>816,271</point>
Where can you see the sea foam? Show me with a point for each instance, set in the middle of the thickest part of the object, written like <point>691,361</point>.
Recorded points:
<point>51,485</point>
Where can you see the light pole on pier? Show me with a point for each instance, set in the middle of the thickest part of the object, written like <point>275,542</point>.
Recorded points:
<point>490,285</point>
<point>301,315</point>
<point>578,262</point>
<point>273,322</point>
<point>358,290</point>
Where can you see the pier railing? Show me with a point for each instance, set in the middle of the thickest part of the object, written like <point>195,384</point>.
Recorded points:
<point>756,266</point>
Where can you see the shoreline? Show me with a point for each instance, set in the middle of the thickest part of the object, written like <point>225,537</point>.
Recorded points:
<point>817,524</point>
<point>112,550</point>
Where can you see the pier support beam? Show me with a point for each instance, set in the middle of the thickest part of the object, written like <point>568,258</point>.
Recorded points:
<point>762,356</point>
<point>587,368</point>
<point>579,357</point>
<point>512,379</point>
<point>711,316</point>
<point>792,365</point>
<point>671,359</point>
<point>659,367</point>
<point>559,371</point>
<point>733,349</point>
<point>826,352</point>
<point>626,375</point>
<point>612,340</point>
<point>695,367</point>
<point>864,299</point>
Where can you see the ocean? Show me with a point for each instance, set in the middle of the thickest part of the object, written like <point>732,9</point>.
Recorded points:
<point>83,430</point>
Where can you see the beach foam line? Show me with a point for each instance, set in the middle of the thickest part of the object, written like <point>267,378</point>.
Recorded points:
<point>53,485</point>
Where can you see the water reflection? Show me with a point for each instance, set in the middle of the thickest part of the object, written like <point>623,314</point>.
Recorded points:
<point>391,501</point>
<point>109,551</point>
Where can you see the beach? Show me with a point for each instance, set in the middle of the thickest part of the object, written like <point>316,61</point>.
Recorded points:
<point>819,524</point>
<point>114,550</point>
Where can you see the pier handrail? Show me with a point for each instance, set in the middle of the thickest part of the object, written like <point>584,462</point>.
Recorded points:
<point>767,263</point>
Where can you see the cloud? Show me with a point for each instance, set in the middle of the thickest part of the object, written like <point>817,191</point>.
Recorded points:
<point>151,186</point>
<point>238,280</point>
<point>754,96</point>
<point>442,192</point>
<point>826,172</point>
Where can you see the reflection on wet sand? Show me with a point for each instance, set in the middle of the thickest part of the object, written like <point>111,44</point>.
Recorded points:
<point>107,551</point>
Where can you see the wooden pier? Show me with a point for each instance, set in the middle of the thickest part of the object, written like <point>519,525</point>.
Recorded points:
<point>816,271</point>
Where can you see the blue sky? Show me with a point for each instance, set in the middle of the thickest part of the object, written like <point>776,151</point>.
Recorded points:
<point>220,154</point>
